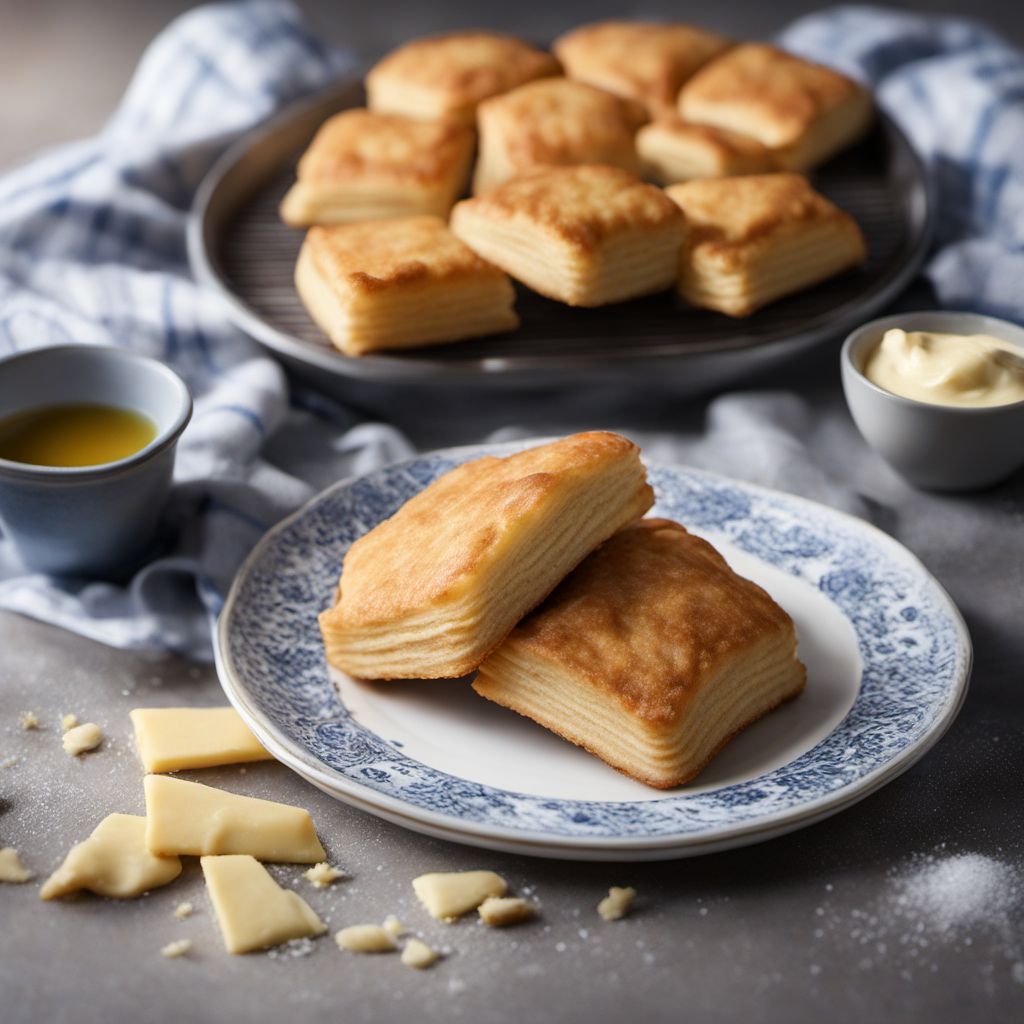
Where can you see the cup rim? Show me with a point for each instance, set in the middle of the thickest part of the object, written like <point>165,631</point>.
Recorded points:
<point>993,324</point>
<point>161,442</point>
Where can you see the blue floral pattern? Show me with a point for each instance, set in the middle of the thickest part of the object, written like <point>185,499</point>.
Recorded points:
<point>914,647</point>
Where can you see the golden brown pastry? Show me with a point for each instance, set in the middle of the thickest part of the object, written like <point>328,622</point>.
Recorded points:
<point>552,122</point>
<point>642,61</point>
<point>399,283</point>
<point>652,655</point>
<point>431,591</point>
<point>676,150</point>
<point>756,238</point>
<point>448,75</point>
<point>803,111</point>
<point>585,235</point>
<point>367,166</point>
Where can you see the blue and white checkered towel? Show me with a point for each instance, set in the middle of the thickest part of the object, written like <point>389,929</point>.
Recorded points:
<point>92,250</point>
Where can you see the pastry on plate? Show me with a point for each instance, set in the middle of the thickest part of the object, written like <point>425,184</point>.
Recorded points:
<point>551,122</point>
<point>431,591</point>
<point>652,655</point>
<point>672,150</point>
<point>642,61</point>
<point>805,112</point>
<point>758,237</point>
<point>399,283</point>
<point>586,235</point>
<point>367,166</point>
<point>446,76</point>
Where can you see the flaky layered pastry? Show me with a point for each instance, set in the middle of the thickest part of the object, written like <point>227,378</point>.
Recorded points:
<point>431,591</point>
<point>652,655</point>
<point>553,122</point>
<point>804,112</point>
<point>642,61</point>
<point>586,235</point>
<point>363,165</point>
<point>398,284</point>
<point>756,238</point>
<point>446,76</point>
<point>672,150</point>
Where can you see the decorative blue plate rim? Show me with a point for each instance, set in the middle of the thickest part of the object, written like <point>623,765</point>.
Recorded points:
<point>913,641</point>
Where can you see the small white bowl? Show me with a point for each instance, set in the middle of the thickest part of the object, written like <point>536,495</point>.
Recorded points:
<point>937,447</point>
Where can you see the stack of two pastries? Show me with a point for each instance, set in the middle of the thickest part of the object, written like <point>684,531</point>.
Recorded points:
<point>628,636</point>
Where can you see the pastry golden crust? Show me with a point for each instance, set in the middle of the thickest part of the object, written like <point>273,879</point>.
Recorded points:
<point>676,150</point>
<point>586,235</point>
<point>552,122</point>
<point>805,112</point>
<point>756,238</point>
<point>448,75</point>
<point>367,166</point>
<point>431,591</point>
<point>651,655</point>
<point>399,283</point>
<point>642,61</point>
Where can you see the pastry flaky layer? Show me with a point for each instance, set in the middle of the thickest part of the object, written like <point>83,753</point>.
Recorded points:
<point>363,165</point>
<point>651,655</point>
<point>805,112</point>
<point>756,238</point>
<point>431,591</point>
<point>553,122</point>
<point>398,284</point>
<point>643,61</point>
<point>585,235</point>
<point>673,150</point>
<point>446,76</point>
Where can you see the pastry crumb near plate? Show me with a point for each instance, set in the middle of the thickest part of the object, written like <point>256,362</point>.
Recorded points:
<point>617,903</point>
<point>447,895</point>
<point>322,875</point>
<point>80,739</point>
<point>501,911</point>
<point>365,938</point>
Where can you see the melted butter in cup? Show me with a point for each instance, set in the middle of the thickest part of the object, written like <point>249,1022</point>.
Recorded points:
<point>974,370</point>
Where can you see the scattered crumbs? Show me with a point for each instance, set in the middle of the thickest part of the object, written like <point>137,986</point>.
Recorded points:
<point>29,721</point>
<point>11,868</point>
<point>294,949</point>
<point>395,928</point>
<point>183,910</point>
<point>617,903</point>
<point>173,950</point>
<point>322,875</point>
<point>82,738</point>
<point>68,722</point>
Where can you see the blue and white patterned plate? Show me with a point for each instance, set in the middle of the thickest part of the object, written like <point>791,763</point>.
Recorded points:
<point>887,653</point>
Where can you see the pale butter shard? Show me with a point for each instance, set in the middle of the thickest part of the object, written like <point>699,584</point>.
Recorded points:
<point>501,911</point>
<point>113,861</point>
<point>29,721</point>
<point>365,938</point>
<point>617,903</point>
<point>68,722</point>
<point>186,817</point>
<point>252,910</point>
<point>11,868</point>
<point>82,738</point>
<point>170,739</point>
<point>322,875</point>
<point>419,955</point>
<point>176,949</point>
<point>448,895</point>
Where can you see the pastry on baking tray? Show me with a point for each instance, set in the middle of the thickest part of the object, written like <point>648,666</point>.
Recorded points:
<point>672,150</point>
<point>643,61</point>
<point>367,166</point>
<point>651,655</point>
<point>803,111</point>
<point>586,235</point>
<point>755,238</point>
<point>399,283</point>
<point>431,591</point>
<point>448,75</point>
<point>550,122</point>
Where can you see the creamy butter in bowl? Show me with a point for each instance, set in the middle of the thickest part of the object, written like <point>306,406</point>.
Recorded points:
<point>940,395</point>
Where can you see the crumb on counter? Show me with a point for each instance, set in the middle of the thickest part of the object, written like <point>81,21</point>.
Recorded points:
<point>501,911</point>
<point>617,903</point>
<point>322,875</point>
<point>365,938</point>
<point>82,738</point>
<point>419,955</point>
<point>183,910</point>
<point>393,926</point>
<point>11,868</point>
<point>29,720</point>
<point>68,722</point>
<point>176,949</point>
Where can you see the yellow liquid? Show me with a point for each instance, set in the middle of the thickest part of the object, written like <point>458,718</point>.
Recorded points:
<point>77,434</point>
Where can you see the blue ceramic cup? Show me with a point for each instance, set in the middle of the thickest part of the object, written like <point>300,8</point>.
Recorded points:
<point>90,520</point>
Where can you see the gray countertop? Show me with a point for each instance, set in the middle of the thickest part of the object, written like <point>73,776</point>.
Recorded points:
<point>908,906</point>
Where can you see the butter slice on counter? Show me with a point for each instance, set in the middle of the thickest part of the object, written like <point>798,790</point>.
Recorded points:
<point>113,861</point>
<point>170,739</point>
<point>448,895</point>
<point>186,817</point>
<point>252,910</point>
